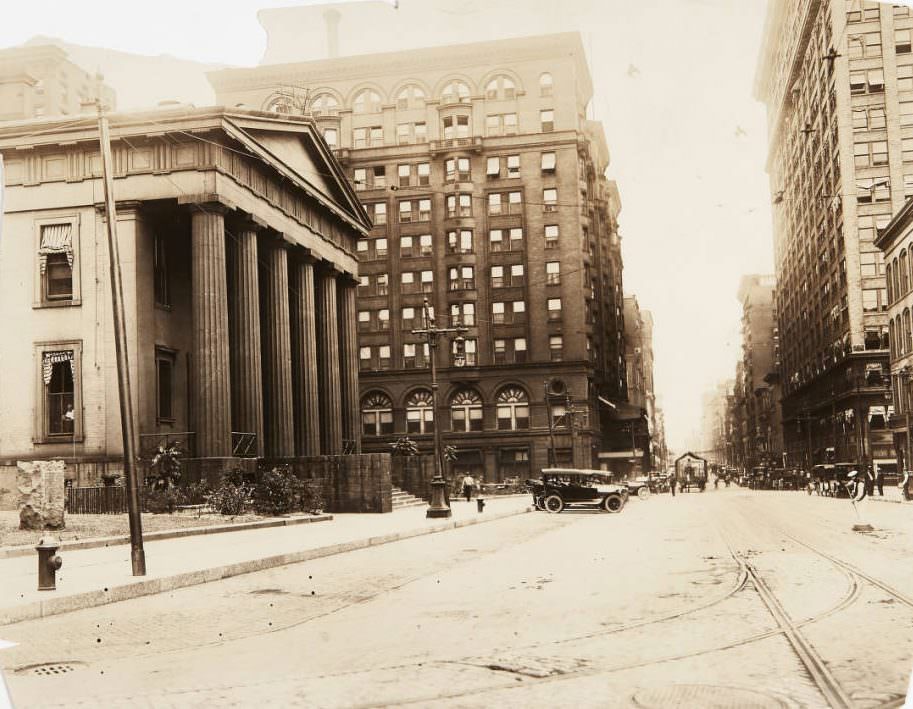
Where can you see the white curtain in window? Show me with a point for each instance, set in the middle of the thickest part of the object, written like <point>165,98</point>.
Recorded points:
<point>56,239</point>
<point>52,358</point>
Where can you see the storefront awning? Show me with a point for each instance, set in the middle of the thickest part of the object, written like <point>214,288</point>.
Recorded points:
<point>623,411</point>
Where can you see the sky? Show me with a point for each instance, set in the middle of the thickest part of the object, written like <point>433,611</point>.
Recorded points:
<point>673,86</point>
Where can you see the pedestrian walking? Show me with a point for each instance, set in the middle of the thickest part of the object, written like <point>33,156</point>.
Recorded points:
<point>879,482</point>
<point>468,484</point>
<point>672,485</point>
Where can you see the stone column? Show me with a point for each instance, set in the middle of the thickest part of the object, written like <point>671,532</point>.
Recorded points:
<point>211,403</point>
<point>277,354</point>
<point>244,327</point>
<point>304,358</point>
<point>328,364</point>
<point>348,365</point>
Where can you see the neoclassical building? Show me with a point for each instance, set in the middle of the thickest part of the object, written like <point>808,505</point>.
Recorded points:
<point>237,233</point>
<point>486,186</point>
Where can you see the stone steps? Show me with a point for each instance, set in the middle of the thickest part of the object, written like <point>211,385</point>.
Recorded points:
<point>401,499</point>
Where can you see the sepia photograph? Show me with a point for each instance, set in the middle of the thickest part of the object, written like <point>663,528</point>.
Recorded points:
<point>456,354</point>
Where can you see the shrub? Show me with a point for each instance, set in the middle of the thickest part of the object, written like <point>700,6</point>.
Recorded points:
<point>232,495</point>
<point>277,493</point>
<point>166,465</point>
<point>197,493</point>
<point>158,501</point>
<point>311,496</point>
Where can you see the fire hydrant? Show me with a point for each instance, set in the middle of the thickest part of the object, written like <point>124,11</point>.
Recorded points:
<point>480,503</point>
<point>48,564</point>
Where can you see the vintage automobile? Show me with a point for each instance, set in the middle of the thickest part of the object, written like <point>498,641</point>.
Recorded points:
<point>559,487</point>
<point>640,486</point>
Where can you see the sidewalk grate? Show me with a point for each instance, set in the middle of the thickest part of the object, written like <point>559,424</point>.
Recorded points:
<point>49,669</point>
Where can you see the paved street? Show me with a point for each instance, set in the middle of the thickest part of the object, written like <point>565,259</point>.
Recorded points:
<point>727,598</point>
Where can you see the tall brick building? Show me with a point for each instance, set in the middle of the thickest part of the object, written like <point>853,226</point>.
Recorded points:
<point>837,78</point>
<point>485,182</point>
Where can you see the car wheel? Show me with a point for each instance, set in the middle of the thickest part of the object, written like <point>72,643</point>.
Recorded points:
<point>553,504</point>
<point>613,503</point>
<point>643,493</point>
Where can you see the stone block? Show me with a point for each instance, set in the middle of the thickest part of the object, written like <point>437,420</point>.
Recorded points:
<point>42,494</point>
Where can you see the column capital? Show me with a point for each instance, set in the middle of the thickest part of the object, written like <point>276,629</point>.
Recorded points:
<point>210,202</point>
<point>248,222</point>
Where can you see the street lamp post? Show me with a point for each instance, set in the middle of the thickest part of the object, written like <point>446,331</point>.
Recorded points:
<point>905,373</point>
<point>438,507</point>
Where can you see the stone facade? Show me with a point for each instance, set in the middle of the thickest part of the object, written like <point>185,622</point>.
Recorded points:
<point>214,209</point>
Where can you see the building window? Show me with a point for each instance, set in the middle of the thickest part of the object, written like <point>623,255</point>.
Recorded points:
<point>550,199</point>
<point>519,344</point>
<point>461,278</point>
<point>164,384</point>
<point>377,212</point>
<point>555,348</point>
<point>547,120</point>
<point>462,314</point>
<point>455,92</point>
<point>59,400</point>
<point>497,277</point>
<point>419,412</point>
<point>366,101</point>
<point>456,127</point>
<point>551,236</point>
<point>902,41</point>
<point>411,357</point>
<point>466,411</point>
<point>360,178</point>
<point>405,212</point>
<point>493,167</point>
<point>459,205</point>
<point>57,263</point>
<point>553,273</point>
<point>554,308</point>
<point>459,242</point>
<point>864,45</point>
<point>382,283</point>
<point>501,124</point>
<point>376,415</point>
<point>517,274</point>
<point>546,85</point>
<point>331,136</point>
<point>548,162</point>
<point>469,355</point>
<point>501,87</point>
<point>411,133</point>
<point>905,77</point>
<point>324,105</point>
<point>457,170</point>
<point>427,281</point>
<point>512,409</point>
<point>869,154</point>
<point>411,96</point>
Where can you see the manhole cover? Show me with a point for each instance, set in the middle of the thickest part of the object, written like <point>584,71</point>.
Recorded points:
<point>706,697</point>
<point>47,669</point>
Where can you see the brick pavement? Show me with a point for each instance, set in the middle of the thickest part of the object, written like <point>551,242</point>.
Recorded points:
<point>92,577</point>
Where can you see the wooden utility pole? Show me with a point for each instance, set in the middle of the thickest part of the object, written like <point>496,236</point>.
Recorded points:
<point>137,554</point>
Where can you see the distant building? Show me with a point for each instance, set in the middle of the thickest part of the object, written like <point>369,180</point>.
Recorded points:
<point>837,78</point>
<point>759,386</point>
<point>237,235</point>
<point>896,240</point>
<point>38,81</point>
<point>486,185</point>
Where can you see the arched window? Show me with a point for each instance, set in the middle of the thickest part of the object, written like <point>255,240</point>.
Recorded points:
<point>545,84</point>
<point>466,411</point>
<point>904,275</point>
<point>455,92</point>
<point>907,333</point>
<point>376,414</point>
<point>419,412</point>
<point>324,105</point>
<point>898,335</point>
<point>896,278</point>
<point>366,101</point>
<point>513,409</point>
<point>501,87</point>
<point>892,341</point>
<point>411,96</point>
<point>280,104</point>
<point>888,276</point>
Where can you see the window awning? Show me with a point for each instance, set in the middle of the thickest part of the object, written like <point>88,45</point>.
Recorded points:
<point>52,358</point>
<point>55,239</point>
<point>623,411</point>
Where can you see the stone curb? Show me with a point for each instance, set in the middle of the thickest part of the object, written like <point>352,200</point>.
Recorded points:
<point>148,587</point>
<point>96,542</point>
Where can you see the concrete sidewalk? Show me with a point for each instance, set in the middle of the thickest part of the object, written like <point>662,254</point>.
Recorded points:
<point>93,577</point>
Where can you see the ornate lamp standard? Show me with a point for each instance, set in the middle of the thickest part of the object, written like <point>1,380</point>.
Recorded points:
<point>431,333</point>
